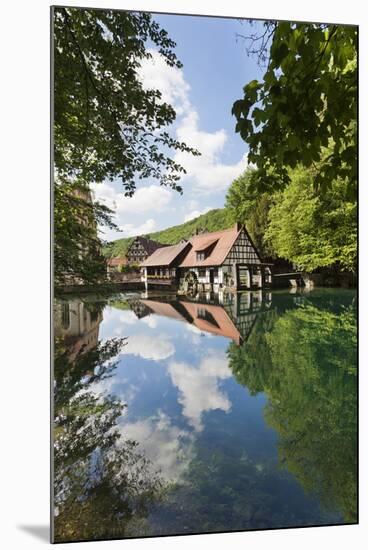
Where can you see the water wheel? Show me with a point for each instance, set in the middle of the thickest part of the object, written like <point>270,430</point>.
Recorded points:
<point>191,283</point>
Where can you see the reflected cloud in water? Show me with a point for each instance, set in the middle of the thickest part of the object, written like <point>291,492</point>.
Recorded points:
<point>198,387</point>
<point>169,447</point>
<point>206,397</point>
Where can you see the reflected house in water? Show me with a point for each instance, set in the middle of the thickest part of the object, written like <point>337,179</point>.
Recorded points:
<point>77,324</point>
<point>209,262</point>
<point>211,455</point>
<point>234,318</point>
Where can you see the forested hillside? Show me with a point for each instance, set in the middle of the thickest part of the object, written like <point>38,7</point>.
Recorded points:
<point>214,220</point>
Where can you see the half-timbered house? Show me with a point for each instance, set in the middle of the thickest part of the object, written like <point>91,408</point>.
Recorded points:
<point>161,268</point>
<point>210,262</point>
<point>140,248</point>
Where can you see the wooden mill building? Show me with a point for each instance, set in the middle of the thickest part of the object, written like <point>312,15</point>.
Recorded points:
<point>140,249</point>
<point>209,262</point>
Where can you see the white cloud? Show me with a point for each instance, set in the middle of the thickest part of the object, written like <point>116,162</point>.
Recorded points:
<point>195,214</point>
<point>157,348</point>
<point>128,317</point>
<point>151,198</point>
<point>109,234</point>
<point>207,172</point>
<point>155,73</point>
<point>167,446</point>
<point>198,387</point>
<point>151,321</point>
<point>130,230</point>
<point>193,328</point>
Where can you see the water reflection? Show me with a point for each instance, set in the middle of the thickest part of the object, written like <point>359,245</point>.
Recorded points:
<point>103,486</point>
<point>216,413</point>
<point>306,364</point>
<point>199,386</point>
<point>231,316</point>
<point>77,323</point>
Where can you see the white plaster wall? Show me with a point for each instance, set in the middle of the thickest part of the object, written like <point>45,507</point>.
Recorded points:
<point>205,279</point>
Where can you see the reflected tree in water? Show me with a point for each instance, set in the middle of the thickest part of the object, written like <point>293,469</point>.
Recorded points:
<point>306,364</point>
<point>251,362</point>
<point>103,486</point>
<point>227,490</point>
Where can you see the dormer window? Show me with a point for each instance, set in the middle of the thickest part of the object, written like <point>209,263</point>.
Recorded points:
<point>204,249</point>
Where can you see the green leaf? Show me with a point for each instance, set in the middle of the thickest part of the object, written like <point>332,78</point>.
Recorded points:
<point>237,108</point>
<point>279,54</point>
<point>258,116</point>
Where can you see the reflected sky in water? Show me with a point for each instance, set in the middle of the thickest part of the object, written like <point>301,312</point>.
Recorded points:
<point>217,417</point>
<point>177,382</point>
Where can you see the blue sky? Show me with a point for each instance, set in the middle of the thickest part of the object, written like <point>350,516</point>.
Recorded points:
<point>215,69</point>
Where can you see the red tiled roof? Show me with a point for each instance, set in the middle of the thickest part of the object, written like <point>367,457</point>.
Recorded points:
<point>216,320</point>
<point>201,246</point>
<point>164,309</point>
<point>222,240</point>
<point>164,256</point>
<point>116,261</point>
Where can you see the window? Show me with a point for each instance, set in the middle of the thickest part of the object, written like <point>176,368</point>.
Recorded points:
<point>244,276</point>
<point>201,273</point>
<point>200,256</point>
<point>94,315</point>
<point>65,316</point>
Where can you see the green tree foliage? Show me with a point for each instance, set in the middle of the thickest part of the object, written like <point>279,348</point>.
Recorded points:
<point>313,229</point>
<point>306,102</point>
<point>106,125</point>
<point>103,485</point>
<point>306,364</point>
<point>315,409</point>
<point>300,224</point>
<point>226,489</point>
<point>77,248</point>
<point>245,204</point>
<point>251,362</point>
